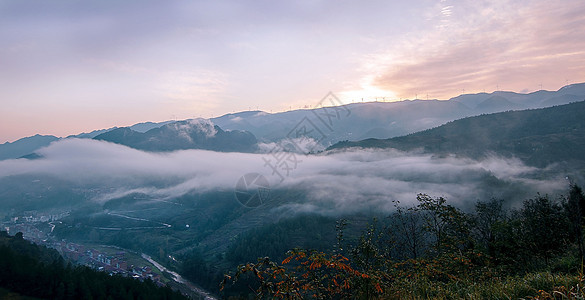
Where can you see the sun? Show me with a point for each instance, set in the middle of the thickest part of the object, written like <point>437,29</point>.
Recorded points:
<point>367,93</point>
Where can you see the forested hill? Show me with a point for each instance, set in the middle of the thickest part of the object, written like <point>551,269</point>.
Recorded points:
<point>36,271</point>
<point>538,136</point>
<point>181,135</point>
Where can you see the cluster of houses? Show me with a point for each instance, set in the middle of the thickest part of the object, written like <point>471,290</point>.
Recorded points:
<point>29,232</point>
<point>112,264</point>
<point>34,216</point>
<point>28,224</point>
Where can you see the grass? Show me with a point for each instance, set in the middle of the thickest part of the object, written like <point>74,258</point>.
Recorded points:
<point>542,285</point>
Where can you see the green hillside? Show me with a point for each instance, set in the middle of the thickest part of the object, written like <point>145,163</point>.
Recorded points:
<point>538,137</point>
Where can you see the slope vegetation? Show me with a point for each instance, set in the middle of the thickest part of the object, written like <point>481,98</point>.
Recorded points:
<point>538,137</point>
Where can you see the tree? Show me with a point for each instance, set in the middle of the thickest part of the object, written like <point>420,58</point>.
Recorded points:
<point>487,216</point>
<point>310,274</point>
<point>406,227</point>
<point>575,207</point>
<point>447,225</point>
<point>545,227</point>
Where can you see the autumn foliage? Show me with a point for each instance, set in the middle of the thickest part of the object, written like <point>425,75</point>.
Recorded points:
<point>435,250</point>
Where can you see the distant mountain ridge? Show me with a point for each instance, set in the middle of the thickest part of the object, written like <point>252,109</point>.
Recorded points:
<point>392,119</point>
<point>537,136</point>
<point>539,99</point>
<point>140,127</point>
<point>191,134</point>
<point>25,146</point>
<point>366,120</point>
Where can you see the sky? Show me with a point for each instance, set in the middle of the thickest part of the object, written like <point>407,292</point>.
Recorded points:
<point>68,67</point>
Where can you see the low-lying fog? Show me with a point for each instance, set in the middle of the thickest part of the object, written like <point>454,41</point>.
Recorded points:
<point>335,182</point>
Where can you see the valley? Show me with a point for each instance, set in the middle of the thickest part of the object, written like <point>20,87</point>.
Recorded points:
<point>179,211</point>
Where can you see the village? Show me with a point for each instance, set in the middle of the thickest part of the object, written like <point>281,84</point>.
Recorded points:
<point>110,260</point>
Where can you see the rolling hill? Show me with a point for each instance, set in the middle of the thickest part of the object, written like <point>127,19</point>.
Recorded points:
<point>539,136</point>
<point>191,134</point>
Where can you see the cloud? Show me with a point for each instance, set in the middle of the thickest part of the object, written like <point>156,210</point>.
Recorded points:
<point>334,183</point>
<point>297,145</point>
<point>195,125</point>
<point>480,46</point>
<point>195,86</point>
<point>371,180</point>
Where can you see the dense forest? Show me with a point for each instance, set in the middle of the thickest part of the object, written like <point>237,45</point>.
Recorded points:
<point>30,270</point>
<point>435,250</point>
<point>274,240</point>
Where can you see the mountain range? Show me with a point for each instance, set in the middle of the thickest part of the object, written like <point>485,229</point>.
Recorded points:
<point>25,146</point>
<point>392,119</point>
<point>537,136</point>
<point>183,206</point>
<point>352,122</point>
<point>181,135</point>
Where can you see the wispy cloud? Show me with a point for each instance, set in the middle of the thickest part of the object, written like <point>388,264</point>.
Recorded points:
<point>204,88</point>
<point>479,46</point>
<point>99,64</point>
<point>199,91</point>
<point>334,183</point>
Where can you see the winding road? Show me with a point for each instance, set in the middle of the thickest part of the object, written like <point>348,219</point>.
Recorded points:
<point>179,279</point>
